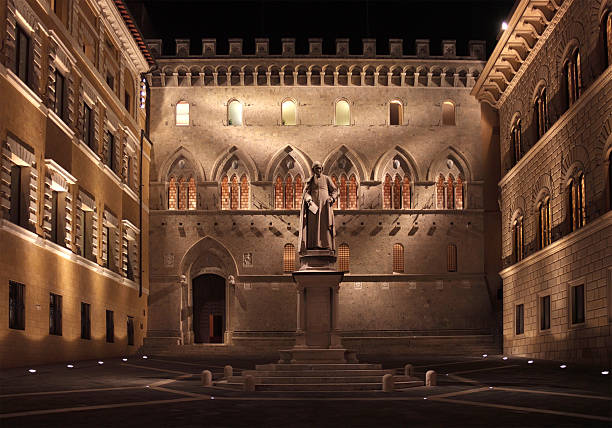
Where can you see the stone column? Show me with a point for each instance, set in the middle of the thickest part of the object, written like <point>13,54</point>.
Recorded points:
<point>322,74</point>
<point>403,77</point>
<point>281,76</point>
<point>336,78</point>
<point>255,78</point>
<point>268,74</point>
<point>416,79</point>
<point>429,78</point>
<point>349,76</point>
<point>228,78</point>
<point>241,78</point>
<point>215,81</point>
<point>308,78</point>
<point>443,81</point>
<point>295,78</point>
<point>376,74</point>
<point>389,76</point>
<point>363,73</point>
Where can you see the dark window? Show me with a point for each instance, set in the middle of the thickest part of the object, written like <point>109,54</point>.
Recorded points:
<point>110,81</point>
<point>395,113</point>
<point>22,55</point>
<point>60,95</point>
<point>452,258</point>
<point>130,330</point>
<point>110,327</point>
<point>88,127</point>
<point>520,319</point>
<point>18,212</point>
<point>16,305</point>
<point>110,152</point>
<point>516,138</point>
<point>128,102</point>
<point>85,320</point>
<point>55,314</point>
<point>577,203</point>
<point>577,304</point>
<point>545,313</point>
<point>607,39</point>
<point>58,204</point>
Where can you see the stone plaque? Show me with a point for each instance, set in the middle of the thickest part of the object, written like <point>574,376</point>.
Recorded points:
<point>247,285</point>
<point>358,286</point>
<point>247,260</point>
<point>385,285</point>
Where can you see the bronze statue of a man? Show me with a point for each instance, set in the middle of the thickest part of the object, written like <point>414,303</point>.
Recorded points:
<point>317,213</point>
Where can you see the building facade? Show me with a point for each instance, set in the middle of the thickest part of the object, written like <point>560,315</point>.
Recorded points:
<point>73,182</point>
<point>235,138</point>
<point>549,79</point>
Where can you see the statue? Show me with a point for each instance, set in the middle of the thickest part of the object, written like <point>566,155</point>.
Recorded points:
<point>316,213</point>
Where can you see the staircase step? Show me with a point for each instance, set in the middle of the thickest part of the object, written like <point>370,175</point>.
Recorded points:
<point>303,380</point>
<point>314,367</point>
<point>320,373</point>
<point>364,386</point>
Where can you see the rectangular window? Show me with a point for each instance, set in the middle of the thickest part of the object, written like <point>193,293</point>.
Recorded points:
<point>452,258</point>
<point>110,327</point>
<point>110,152</point>
<point>88,127</point>
<point>110,249</point>
<point>22,55</point>
<point>18,211</point>
<point>58,203</point>
<point>85,236</point>
<point>128,102</point>
<point>130,330</point>
<point>520,319</point>
<point>85,321</point>
<point>16,306</point>
<point>60,94</point>
<point>577,304</point>
<point>110,81</point>
<point>55,314</point>
<point>545,313</point>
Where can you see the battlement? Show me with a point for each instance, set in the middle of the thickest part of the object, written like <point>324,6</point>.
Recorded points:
<point>476,49</point>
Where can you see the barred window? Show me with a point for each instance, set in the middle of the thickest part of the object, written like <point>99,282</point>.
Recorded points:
<point>452,258</point>
<point>398,258</point>
<point>344,254</point>
<point>288,258</point>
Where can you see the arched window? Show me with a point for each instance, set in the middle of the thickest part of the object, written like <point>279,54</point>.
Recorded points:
<point>234,193</point>
<point>288,258</point>
<point>288,113</point>
<point>540,113</point>
<point>398,258</point>
<point>182,113</point>
<point>288,192</point>
<point>172,195</point>
<point>234,113</point>
<point>342,192</point>
<point>225,194</point>
<point>459,194</point>
<point>544,222</point>
<point>449,193</point>
<point>396,112</point>
<point>344,255</point>
<point>406,193</point>
<point>182,199</point>
<point>517,239</point>
<point>572,77</point>
<point>299,188</point>
<point>352,193</point>
<point>192,195</point>
<point>516,140</point>
<point>577,204</point>
<point>279,193</point>
<point>440,192</point>
<point>343,113</point>
<point>334,180</point>
<point>451,262</point>
<point>289,197</point>
<point>244,192</point>
<point>448,113</point>
<point>397,193</point>
<point>606,35</point>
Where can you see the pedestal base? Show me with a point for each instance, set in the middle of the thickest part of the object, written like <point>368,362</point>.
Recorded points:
<point>317,356</point>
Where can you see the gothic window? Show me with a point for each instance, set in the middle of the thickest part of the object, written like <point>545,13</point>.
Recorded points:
<point>398,258</point>
<point>182,113</point>
<point>576,198</point>
<point>459,194</point>
<point>299,188</point>
<point>23,55</point>
<point>182,194</point>
<point>344,255</point>
<point>191,194</point>
<point>517,239</point>
<point>448,113</point>
<point>544,222</point>
<point>182,189</point>
<point>288,192</point>
<point>451,263</point>
<point>516,140</point>
<point>606,35</point>
<point>234,193</point>
<point>172,195</point>
<point>288,258</point>
<point>396,112</point>
<point>397,193</point>
<point>334,180</point>
<point>449,192</point>
<point>225,199</point>
<point>342,192</point>
<point>540,113</point>
<point>440,192</point>
<point>234,113</point>
<point>343,113</point>
<point>288,113</point>
<point>279,197</point>
<point>244,192</point>
<point>352,192</point>
<point>289,197</point>
<point>572,79</point>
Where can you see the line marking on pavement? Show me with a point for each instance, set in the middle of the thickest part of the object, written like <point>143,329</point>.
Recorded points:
<point>483,370</point>
<point>563,394</point>
<point>167,381</point>
<point>101,406</point>
<point>156,369</point>
<point>71,391</point>
<point>464,379</point>
<point>523,409</point>
<point>175,391</point>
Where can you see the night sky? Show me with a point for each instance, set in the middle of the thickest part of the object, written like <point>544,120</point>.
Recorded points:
<point>408,19</point>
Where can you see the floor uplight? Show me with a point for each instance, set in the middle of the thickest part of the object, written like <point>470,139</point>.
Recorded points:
<point>562,366</point>
<point>124,359</point>
<point>70,366</point>
<point>100,362</point>
<point>144,357</point>
<point>32,370</point>
<point>485,355</point>
<point>504,358</point>
<point>504,26</point>
<point>605,372</point>
<point>530,362</point>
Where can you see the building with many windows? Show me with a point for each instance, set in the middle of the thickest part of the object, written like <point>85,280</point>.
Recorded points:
<point>73,181</point>
<point>550,81</point>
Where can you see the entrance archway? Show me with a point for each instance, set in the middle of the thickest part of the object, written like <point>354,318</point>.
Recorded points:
<point>209,318</point>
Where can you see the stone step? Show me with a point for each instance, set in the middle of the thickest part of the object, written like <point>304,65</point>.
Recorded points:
<point>318,387</point>
<point>310,373</point>
<point>311,380</point>
<point>302,367</point>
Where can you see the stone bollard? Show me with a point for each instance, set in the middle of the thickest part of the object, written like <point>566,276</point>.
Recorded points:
<point>388,383</point>
<point>408,370</point>
<point>431,378</point>
<point>228,371</point>
<point>206,378</point>
<point>249,383</point>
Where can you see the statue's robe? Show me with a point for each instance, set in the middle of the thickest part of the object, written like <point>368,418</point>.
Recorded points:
<point>317,230</point>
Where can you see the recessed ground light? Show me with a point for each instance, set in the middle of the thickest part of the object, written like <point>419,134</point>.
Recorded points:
<point>504,358</point>
<point>144,357</point>
<point>424,398</point>
<point>70,366</point>
<point>605,372</point>
<point>485,355</point>
<point>212,398</point>
<point>100,362</point>
<point>32,370</point>
<point>563,366</point>
<point>490,387</point>
<point>530,362</point>
<point>124,359</point>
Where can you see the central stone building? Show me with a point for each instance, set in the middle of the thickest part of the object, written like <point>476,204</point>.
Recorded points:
<point>234,139</point>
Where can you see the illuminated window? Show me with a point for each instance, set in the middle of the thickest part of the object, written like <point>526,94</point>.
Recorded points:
<point>387,192</point>
<point>182,113</point>
<point>234,113</point>
<point>540,113</point>
<point>288,258</point>
<point>452,258</point>
<point>572,78</point>
<point>288,113</point>
<point>544,223</point>
<point>398,258</point>
<point>448,113</point>
<point>343,113</point>
<point>299,188</point>
<point>516,140</point>
<point>225,204</point>
<point>234,193</point>
<point>450,192</point>
<point>191,195</point>
<point>182,194</point>
<point>396,112</point>
<point>517,239</point>
<point>606,32</point>
<point>279,193</point>
<point>576,197</point>
<point>344,254</point>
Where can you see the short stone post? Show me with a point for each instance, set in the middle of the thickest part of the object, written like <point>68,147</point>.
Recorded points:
<point>408,370</point>
<point>249,383</point>
<point>431,378</point>
<point>388,383</point>
<point>206,378</point>
<point>228,371</point>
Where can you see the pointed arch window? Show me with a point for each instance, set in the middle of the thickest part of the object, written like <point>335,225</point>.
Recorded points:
<point>449,193</point>
<point>172,195</point>
<point>234,113</point>
<point>288,192</point>
<point>572,77</point>
<point>398,258</point>
<point>288,258</point>
<point>347,191</point>
<point>577,204</point>
<point>225,193</point>
<point>518,249</point>
<point>343,113</point>
<point>540,113</point>
<point>516,140</point>
<point>289,197</point>
<point>396,113</point>
<point>234,193</point>
<point>288,113</point>
<point>448,113</point>
<point>182,113</point>
<point>344,255</point>
<point>544,222</point>
<point>299,189</point>
<point>334,180</point>
<point>182,192</point>
<point>397,193</point>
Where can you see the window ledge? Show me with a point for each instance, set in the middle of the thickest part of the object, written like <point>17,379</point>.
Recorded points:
<point>24,89</point>
<point>61,124</point>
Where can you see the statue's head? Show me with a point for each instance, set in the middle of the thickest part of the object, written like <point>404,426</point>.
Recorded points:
<point>317,168</point>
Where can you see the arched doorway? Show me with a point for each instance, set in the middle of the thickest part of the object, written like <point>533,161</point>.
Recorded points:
<point>209,318</point>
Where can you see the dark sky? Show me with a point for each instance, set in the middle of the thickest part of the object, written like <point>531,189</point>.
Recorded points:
<point>301,19</point>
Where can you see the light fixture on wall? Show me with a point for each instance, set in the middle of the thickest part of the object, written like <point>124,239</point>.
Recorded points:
<point>143,93</point>
<point>504,26</point>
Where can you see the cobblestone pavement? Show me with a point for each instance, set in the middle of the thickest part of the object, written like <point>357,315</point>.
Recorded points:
<point>159,391</point>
